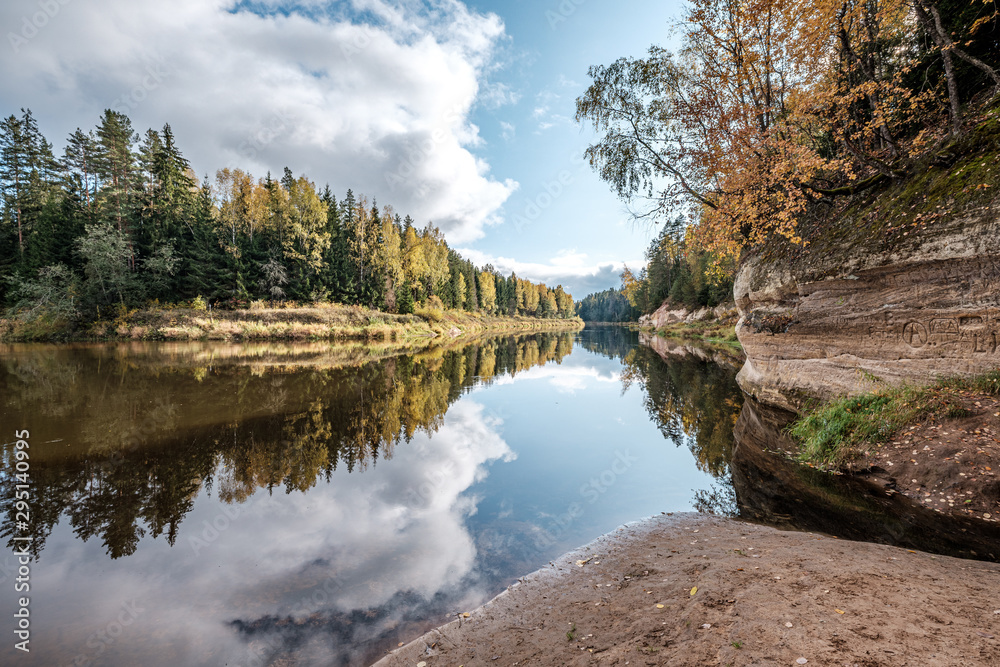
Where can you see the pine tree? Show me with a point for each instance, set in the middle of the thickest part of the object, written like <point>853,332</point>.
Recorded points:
<point>28,173</point>
<point>116,165</point>
<point>80,161</point>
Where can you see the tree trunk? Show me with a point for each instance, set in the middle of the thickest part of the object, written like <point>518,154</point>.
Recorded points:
<point>951,46</point>
<point>923,9</point>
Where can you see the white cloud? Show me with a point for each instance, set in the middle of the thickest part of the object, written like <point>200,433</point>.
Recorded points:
<point>575,271</point>
<point>496,95</point>
<point>544,103</point>
<point>567,378</point>
<point>382,107</point>
<point>509,131</point>
<point>568,83</point>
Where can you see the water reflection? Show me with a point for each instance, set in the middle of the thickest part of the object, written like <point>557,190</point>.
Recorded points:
<point>692,396</point>
<point>203,504</point>
<point>124,438</point>
<point>773,490</point>
<point>735,440</point>
<point>206,504</point>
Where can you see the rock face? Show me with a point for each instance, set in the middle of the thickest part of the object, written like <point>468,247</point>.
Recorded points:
<point>842,320</point>
<point>666,315</point>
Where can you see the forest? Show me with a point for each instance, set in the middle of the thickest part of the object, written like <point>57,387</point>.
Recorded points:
<point>120,221</point>
<point>772,117</point>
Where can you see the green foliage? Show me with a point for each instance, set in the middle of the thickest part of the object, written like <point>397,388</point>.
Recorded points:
<point>106,255</point>
<point>607,306</point>
<point>123,216</point>
<point>675,273</point>
<point>845,429</point>
<point>160,269</point>
<point>50,300</point>
<point>405,300</point>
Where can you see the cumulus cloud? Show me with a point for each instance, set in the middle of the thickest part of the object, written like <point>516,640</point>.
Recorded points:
<point>575,271</point>
<point>374,95</point>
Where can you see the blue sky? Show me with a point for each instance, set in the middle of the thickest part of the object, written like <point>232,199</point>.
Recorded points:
<point>460,113</point>
<point>584,234</point>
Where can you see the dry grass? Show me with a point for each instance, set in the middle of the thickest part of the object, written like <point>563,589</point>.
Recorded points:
<point>316,322</point>
<point>322,321</point>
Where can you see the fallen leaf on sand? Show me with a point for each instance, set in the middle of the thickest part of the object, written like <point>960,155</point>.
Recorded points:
<point>659,606</point>
<point>838,611</point>
<point>694,590</point>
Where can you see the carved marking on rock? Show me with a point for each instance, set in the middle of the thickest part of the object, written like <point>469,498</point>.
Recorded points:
<point>944,327</point>
<point>915,334</point>
<point>985,343</point>
<point>772,363</point>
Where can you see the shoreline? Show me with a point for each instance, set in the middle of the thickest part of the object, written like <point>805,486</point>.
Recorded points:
<point>330,322</point>
<point>689,589</point>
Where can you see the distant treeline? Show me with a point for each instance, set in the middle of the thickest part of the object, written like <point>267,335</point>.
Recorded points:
<point>677,273</point>
<point>120,220</point>
<point>607,306</point>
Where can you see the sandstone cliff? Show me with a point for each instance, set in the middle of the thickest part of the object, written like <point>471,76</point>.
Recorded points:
<point>903,285</point>
<point>667,314</point>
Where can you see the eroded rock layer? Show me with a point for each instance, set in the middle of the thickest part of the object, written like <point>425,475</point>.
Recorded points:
<point>836,323</point>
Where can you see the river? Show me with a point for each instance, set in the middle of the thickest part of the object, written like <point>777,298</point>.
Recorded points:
<point>314,504</point>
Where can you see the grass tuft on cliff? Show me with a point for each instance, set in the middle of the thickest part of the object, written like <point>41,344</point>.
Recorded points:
<point>845,430</point>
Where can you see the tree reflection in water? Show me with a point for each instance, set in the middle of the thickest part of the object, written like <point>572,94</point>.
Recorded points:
<point>125,437</point>
<point>692,399</point>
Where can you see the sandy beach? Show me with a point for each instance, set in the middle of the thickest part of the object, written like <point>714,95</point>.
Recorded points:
<point>690,589</point>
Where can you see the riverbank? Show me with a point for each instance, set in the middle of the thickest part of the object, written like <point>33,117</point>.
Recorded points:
<point>691,590</point>
<point>318,322</point>
<point>937,444</point>
<point>716,326</point>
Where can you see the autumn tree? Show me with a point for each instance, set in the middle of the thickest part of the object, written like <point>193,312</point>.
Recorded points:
<point>305,239</point>
<point>772,106</point>
<point>487,292</point>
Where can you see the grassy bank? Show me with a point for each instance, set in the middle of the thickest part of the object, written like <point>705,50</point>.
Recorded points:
<point>316,322</point>
<point>846,430</point>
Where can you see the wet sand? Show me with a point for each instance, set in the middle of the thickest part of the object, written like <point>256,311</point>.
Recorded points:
<point>689,589</point>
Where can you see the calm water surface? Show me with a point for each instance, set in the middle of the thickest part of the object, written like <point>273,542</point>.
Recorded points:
<point>217,504</point>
